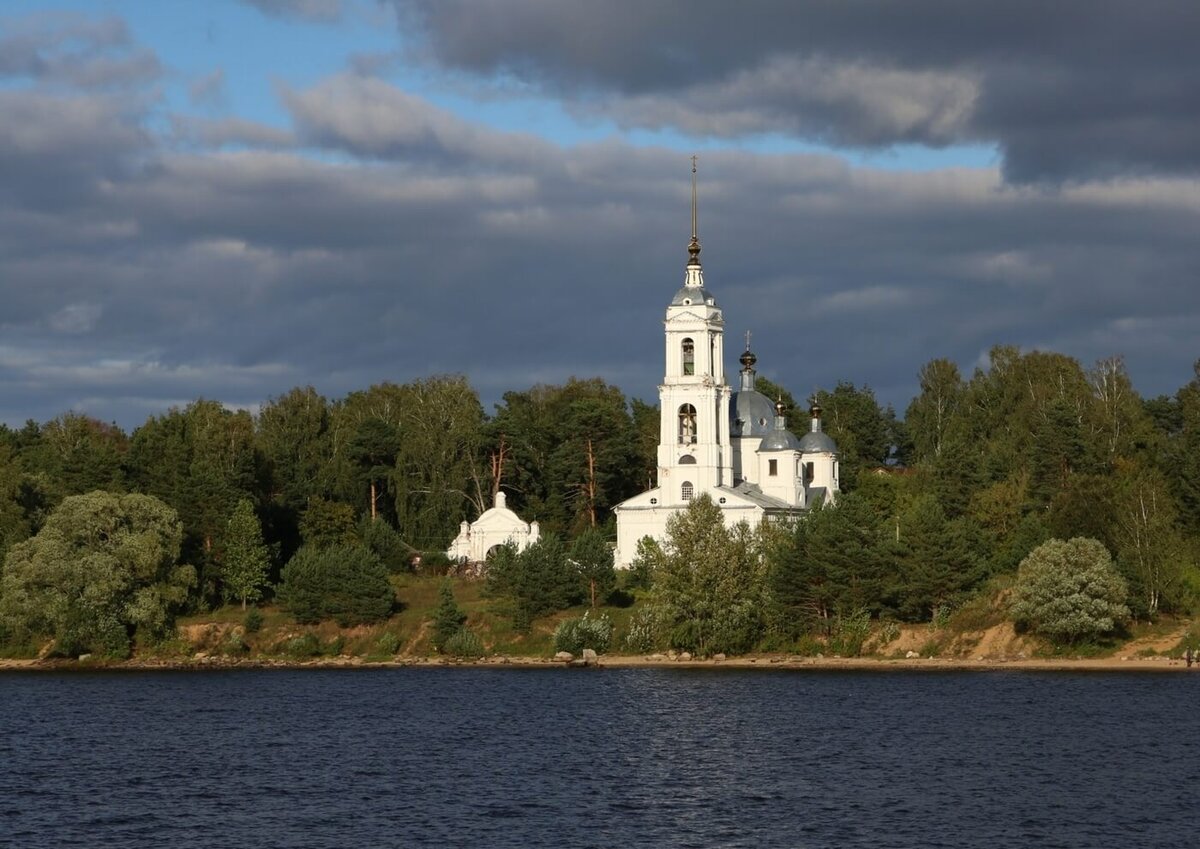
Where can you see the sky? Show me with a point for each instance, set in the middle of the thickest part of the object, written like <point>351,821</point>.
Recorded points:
<point>229,199</point>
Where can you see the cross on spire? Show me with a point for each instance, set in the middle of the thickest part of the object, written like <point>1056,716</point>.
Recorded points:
<point>747,340</point>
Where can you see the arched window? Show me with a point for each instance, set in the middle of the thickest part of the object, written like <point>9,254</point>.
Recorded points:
<point>689,357</point>
<point>687,425</point>
<point>686,491</point>
<point>687,460</point>
<point>808,472</point>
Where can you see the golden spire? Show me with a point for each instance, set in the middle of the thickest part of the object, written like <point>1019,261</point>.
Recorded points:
<point>694,245</point>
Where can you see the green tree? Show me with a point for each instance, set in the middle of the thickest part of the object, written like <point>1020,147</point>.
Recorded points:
<point>389,547</point>
<point>592,557</point>
<point>1069,591</point>
<point>104,567</point>
<point>327,523</point>
<point>711,581</point>
<point>14,525</point>
<point>1085,507</point>
<point>536,581</point>
<point>1150,550</point>
<point>200,460</point>
<point>77,454</point>
<point>938,559</point>
<point>1184,459</point>
<point>448,618</point>
<point>346,583</point>
<point>373,449</point>
<point>293,434</point>
<point>844,557</point>
<point>647,560</point>
<point>932,414</point>
<point>438,476</point>
<point>245,558</point>
<point>574,452</point>
<point>864,432</point>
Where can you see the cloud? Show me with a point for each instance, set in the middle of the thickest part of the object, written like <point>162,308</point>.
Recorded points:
<point>853,104</point>
<point>1067,91</point>
<point>382,237</point>
<point>76,318</point>
<point>73,49</point>
<point>369,117</point>
<point>317,11</point>
<point>209,89</point>
<point>229,132</point>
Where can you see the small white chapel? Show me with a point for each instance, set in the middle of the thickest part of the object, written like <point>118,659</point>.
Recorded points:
<point>495,527</point>
<point>732,446</point>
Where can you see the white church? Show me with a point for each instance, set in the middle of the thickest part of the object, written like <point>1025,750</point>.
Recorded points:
<point>732,446</point>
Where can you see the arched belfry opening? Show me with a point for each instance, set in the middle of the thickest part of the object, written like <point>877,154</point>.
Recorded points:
<point>688,357</point>
<point>687,425</point>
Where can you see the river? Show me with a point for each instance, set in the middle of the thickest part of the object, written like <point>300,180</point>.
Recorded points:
<point>609,757</point>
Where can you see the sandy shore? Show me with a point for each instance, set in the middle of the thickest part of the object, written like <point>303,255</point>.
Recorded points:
<point>766,662</point>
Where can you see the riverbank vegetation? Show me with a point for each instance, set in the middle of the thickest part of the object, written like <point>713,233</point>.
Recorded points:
<point>331,516</point>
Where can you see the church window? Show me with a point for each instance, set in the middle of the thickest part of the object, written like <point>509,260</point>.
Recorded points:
<point>772,467</point>
<point>689,357</point>
<point>687,460</point>
<point>686,491</point>
<point>808,472</point>
<point>687,425</point>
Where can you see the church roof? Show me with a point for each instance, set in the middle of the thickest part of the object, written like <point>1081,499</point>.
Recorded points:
<point>781,440</point>
<point>689,295</point>
<point>750,413</point>
<point>752,493</point>
<point>816,442</point>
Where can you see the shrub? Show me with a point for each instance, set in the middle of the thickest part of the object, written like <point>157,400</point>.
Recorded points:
<point>303,645</point>
<point>435,563</point>
<point>346,583</point>
<point>464,643</point>
<point>232,644</point>
<point>647,629</point>
<point>252,621</point>
<point>850,632</point>
<point>575,635</point>
<point>1069,591</point>
<point>889,631</point>
<point>388,643</point>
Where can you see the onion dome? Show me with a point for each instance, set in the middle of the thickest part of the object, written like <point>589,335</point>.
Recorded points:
<point>816,441</point>
<point>780,438</point>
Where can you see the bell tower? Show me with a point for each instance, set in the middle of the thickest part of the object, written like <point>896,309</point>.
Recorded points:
<point>694,450</point>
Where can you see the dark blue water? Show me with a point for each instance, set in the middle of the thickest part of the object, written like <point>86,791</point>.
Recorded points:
<point>481,757</point>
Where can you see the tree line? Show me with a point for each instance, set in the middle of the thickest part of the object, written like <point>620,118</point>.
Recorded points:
<point>976,473</point>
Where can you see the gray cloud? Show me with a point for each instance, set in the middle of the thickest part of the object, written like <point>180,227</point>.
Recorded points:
<point>320,11</point>
<point>73,49</point>
<point>209,89</point>
<point>222,132</point>
<point>140,273</point>
<point>1066,90</point>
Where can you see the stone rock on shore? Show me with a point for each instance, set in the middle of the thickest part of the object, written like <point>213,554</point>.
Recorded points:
<point>564,656</point>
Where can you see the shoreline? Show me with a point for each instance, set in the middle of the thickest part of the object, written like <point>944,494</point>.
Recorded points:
<point>766,662</point>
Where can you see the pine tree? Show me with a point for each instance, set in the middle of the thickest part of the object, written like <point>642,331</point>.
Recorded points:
<point>447,617</point>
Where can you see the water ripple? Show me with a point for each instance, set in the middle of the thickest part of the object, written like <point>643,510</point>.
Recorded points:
<point>654,758</point>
